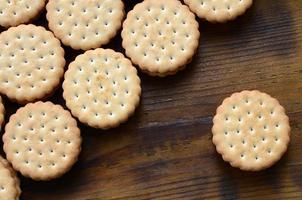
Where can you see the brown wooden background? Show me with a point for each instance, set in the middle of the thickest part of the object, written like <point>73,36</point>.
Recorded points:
<point>165,150</point>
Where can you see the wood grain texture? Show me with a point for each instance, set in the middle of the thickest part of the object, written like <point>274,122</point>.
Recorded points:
<point>165,152</point>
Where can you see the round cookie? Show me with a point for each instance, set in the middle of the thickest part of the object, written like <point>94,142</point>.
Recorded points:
<point>251,130</point>
<point>31,63</point>
<point>84,24</point>
<point>2,111</point>
<point>42,141</point>
<point>9,183</point>
<point>101,88</point>
<point>13,174</point>
<point>217,10</point>
<point>13,13</point>
<point>160,37</point>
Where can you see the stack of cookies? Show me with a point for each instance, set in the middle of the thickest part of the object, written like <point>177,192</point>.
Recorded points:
<point>102,88</point>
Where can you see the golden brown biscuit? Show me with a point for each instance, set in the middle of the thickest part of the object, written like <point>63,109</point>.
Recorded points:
<point>251,130</point>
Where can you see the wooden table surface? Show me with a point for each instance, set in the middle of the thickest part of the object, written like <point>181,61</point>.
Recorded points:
<point>165,151</point>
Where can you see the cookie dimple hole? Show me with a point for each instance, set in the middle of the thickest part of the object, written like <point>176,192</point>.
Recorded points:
<point>265,127</point>
<point>242,155</point>
<point>234,107</point>
<point>269,151</point>
<point>261,103</point>
<point>254,146</point>
<point>277,125</point>
<point>263,139</point>
<point>214,8</point>
<point>231,145</point>
<point>243,141</point>
<point>256,157</point>
<point>226,133</point>
<point>228,7</point>
<point>238,131</point>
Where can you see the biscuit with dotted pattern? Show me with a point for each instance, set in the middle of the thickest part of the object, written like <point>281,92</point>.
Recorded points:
<point>251,130</point>
<point>218,10</point>
<point>15,12</point>
<point>9,182</point>
<point>31,63</point>
<point>160,37</point>
<point>101,88</point>
<point>42,141</point>
<point>13,173</point>
<point>84,24</point>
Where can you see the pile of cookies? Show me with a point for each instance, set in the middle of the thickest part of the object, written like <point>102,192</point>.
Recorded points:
<point>101,87</point>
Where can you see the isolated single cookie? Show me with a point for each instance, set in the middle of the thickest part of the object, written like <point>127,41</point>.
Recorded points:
<point>42,141</point>
<point>84,24</point>
<point>101,88</point>
<point>9,182</point>
<point>15,12</point>
<point>13,174</point>
<point>218,10</point>
<point>251,130</point>
<point>2,111</point>
<point>31,63</point>
<point>160,37</point>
